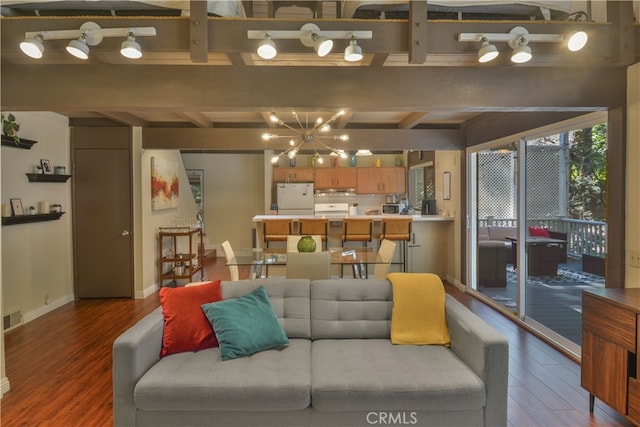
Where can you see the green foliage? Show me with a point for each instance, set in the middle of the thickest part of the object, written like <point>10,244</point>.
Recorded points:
<point>588,173</point>
<point>10,127</point>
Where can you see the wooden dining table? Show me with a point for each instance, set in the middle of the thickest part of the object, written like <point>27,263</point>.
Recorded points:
<point>258,258</point>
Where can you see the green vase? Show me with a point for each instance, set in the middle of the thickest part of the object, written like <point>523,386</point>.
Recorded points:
<point>306,244</point>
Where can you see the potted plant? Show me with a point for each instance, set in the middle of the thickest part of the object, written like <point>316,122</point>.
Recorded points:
<point>10,128</point>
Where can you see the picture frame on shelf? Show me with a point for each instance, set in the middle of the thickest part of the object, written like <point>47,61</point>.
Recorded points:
<point>46,167</point>
<point>16,207</point>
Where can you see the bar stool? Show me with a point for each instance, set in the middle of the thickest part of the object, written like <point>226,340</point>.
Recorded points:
<point>356,230</point>
<point>315,227</point>
<point>276,230</point>
<point>397,229</point>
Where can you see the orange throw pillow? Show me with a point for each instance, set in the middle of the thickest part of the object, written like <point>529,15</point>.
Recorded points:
<point>186,328</point>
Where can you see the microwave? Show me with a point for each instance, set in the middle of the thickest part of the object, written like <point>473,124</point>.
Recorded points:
<point>390,208</point>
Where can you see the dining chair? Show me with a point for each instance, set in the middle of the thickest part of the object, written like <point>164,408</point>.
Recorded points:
<point>309,265</point>
<point>386,251</point>
<point>315,226</point>
<point>292,243</point>
<point>397,229</point>
<point>276,230</point>
<point>228,253</point>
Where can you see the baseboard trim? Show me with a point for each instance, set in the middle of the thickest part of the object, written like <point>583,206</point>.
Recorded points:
<point>42,310</point>
<point>149,290</point>
<point>4,386</point>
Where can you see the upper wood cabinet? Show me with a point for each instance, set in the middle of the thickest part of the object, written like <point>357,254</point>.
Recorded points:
<point>335,178</point>
<point>292,174</point>
<point>381,180</point>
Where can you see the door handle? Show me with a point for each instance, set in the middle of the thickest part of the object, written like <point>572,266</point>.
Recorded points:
<point>125,233</point>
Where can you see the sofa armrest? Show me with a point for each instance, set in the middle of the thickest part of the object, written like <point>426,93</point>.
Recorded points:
<point>486,352</point>
<point>557,235</point>
<point>134,352</point>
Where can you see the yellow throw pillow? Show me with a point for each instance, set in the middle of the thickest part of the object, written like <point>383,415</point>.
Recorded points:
<point>418,315</point>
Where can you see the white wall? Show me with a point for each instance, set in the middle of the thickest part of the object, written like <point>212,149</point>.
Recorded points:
<point>37,268</point>
<point>37,271</point>
<point>632,274</point>
<point>184,214</point>
<point>234,192</point>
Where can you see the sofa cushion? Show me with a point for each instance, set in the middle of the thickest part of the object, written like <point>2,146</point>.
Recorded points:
<point>373,374</point>
<point>502,233</point>
<point>539,232</point>
<point>351,308</point>
<point>418,309</point>
<point>271,380</point>
<point>186,328</point>
<point>245,325</point>
<point>289,298</point>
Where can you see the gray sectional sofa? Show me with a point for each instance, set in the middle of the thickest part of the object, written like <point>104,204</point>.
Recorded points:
<point>339,369</point>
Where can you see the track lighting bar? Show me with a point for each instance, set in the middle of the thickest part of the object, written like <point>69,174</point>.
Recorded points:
<point>310,35</point>
<point>89,34</point>
<point>518,39</point>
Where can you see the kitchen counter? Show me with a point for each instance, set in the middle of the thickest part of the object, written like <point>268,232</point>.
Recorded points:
<point>416,218</point>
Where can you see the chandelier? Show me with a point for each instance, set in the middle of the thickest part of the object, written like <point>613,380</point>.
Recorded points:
<point>307,137</point>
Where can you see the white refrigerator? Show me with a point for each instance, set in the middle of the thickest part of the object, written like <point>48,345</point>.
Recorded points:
<point>295,199</point>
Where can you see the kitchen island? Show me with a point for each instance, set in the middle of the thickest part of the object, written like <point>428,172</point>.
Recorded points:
<point>430,247</point>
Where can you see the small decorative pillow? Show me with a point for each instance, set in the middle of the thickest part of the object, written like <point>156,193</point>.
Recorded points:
<point>186,328</point>
<point>539,232</point>
<point>245,325</point>
<point>418,315</point>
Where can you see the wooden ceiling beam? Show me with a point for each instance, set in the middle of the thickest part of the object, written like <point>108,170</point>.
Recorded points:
<point>172,88</point>
<point>249,139</point>
<point>417,32</point>
<point>412,119</point>
<point>196,118</point>
<point>198,32</point>
<point>124,118</point>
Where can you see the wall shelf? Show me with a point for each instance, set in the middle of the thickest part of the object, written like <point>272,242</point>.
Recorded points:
<point>23,219</point>
<point>41,177</point>
<point>24,143</point>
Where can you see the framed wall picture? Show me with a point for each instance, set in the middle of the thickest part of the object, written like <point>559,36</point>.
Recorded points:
<point>165,186</point>
<point>16,207</point>
<point>46,166</point>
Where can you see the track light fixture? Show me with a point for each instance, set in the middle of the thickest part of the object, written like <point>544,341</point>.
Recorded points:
<point>519,39</point>
<point>267,48</point>
<point>311,36</point>
<point>307,135</point>
<point>353,52</point>
<point>89,34</point>
<point>130,48</point>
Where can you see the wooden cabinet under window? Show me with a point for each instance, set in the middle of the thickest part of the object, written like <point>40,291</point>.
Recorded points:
<point>382,180</point>
<point>292,174</point>
<point>610,340</point>
<point>335,178</point>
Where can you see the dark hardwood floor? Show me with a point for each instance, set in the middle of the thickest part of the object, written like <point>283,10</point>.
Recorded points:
<point>59,367</point>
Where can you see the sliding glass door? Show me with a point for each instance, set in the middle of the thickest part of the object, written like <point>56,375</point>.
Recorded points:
<point>537,224</point>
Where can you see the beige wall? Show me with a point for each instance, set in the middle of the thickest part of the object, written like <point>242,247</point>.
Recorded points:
<point>184,214</point>
<point>234,192</point>
<point>37,271</point>
<point>449,161</point>
<point>632,274</point>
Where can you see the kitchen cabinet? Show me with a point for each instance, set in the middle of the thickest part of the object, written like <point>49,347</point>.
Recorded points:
<point>382,180</point>
<point>173,265</point>
<point>335,178</point>
<point>610,363</point>
<point>292,174</point>
<point>427,248</point>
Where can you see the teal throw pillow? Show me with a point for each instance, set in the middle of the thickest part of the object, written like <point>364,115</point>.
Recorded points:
<point>245,325</point>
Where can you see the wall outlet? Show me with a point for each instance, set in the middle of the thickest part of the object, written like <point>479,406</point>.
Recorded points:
<point>634,258</point>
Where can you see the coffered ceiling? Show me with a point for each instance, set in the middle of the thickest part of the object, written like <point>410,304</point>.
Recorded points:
<point>200,76</point>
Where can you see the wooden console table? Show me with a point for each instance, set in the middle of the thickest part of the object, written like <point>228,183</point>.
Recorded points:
<point>610,345</point>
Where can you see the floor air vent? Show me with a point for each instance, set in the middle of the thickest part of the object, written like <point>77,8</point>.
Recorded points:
<point>11,320</point>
